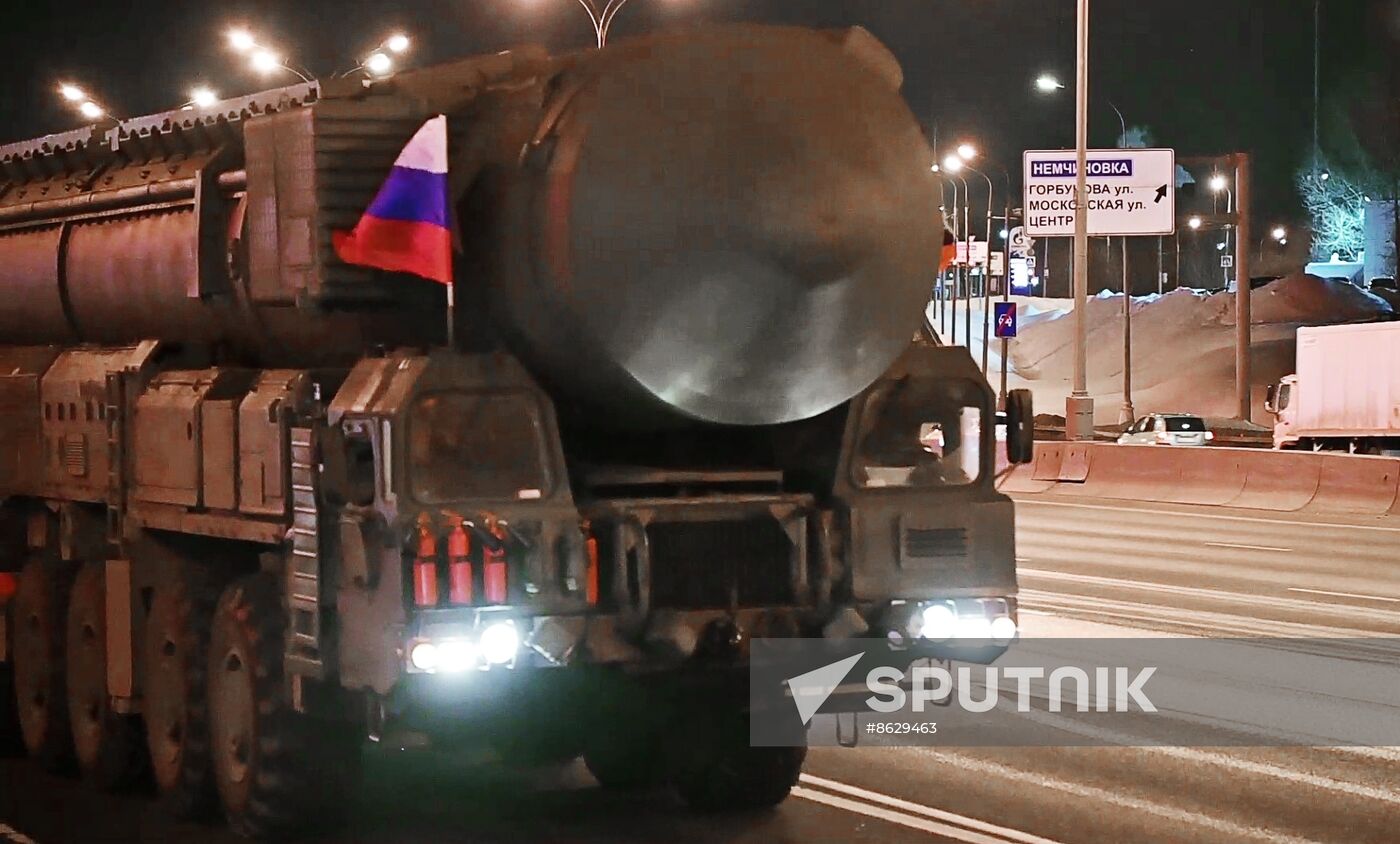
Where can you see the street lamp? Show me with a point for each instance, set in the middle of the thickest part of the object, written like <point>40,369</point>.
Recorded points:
<point>380,61</point>
<point>84,104</point>
<point>967,152</point>
<point>602,13</point>
<point>953,164</point>
<point>1280,233</point>
<point>1047,83</point>
<point>202,97</point>
<point>260,58</point>
<point>1194,223</point>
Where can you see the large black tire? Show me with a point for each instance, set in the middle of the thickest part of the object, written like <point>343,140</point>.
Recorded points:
<point>176,692</point>
<point>10,743</point>
<point>629,761</point>
<point>107,745</point>
<point>715,769</point>
<point>278,773</point>
<point>40,626</point>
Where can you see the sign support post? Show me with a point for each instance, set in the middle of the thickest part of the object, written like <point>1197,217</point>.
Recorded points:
<point>1079,406</point>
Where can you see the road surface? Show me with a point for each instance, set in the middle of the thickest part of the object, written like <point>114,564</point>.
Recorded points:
<point>1088,568</point>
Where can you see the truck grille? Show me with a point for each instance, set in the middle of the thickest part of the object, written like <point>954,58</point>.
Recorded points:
<point>933,543</point>
<point>716,565</point>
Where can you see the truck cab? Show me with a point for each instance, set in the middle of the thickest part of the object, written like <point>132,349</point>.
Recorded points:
<point>1279,401</point>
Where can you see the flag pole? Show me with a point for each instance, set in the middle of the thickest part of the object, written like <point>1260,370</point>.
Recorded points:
<point>451,314</point>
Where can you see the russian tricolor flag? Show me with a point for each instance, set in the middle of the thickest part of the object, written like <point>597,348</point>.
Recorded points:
<point>407,228</point>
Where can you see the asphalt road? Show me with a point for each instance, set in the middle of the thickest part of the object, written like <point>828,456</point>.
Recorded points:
<point>1088,569</point>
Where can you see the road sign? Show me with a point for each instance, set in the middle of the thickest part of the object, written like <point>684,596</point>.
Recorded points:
<point>979,253</point>
<point>1005,319</point>
<point>1227,262</point>
<point>998,263</point>
<point>1021,243</point>
<point>1130,192</point>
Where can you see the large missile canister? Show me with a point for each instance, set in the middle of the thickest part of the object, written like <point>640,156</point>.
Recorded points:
<point>736,225</point>
<point>733,225</point>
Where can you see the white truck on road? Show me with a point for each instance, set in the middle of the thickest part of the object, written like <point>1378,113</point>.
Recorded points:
<point>1345,392</point>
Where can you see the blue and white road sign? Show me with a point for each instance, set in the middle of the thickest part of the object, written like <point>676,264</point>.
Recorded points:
<point>1005,313</point>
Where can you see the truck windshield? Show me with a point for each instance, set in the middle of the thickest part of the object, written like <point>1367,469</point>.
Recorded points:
<point>476,445</point>
<point>920,432</point>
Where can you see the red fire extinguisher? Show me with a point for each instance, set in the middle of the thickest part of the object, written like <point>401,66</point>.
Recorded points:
<point>590,544</point>
<point>493,563</point>
<point>425,581</point>
<point>459,565</point>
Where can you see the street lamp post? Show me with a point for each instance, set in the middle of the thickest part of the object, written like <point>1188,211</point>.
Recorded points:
<point>949,315</point>
<point>952,165</point>
<point>1079,406</point>
<point>986,273</point>
<point>602,16</point>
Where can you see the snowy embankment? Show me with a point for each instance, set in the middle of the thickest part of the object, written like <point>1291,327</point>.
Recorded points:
<point>1183,344</point>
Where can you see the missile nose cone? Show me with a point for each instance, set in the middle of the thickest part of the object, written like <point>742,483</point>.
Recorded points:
<point>754,227</point>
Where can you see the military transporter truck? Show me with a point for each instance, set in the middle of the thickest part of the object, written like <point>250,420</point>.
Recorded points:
<point>258,509</point>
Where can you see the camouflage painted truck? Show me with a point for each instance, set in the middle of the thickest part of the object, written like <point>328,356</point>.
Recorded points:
<point>256,509</point>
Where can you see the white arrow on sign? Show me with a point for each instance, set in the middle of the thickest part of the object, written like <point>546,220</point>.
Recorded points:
<point>1130,192</point>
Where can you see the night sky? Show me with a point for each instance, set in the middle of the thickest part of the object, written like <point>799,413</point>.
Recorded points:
<point>1205,76</point>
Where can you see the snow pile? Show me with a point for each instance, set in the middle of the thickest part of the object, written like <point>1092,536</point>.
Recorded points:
<point>1183,344</point>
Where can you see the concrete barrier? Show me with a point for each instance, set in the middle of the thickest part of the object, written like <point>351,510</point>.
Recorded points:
<point>1048,457</point>
<point>1282,481</point>
<point>1074,468</point>
<point>1253,479</point>
<point>1355,484</point>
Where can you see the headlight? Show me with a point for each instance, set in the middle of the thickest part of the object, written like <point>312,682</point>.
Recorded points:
<point>424,656</point>
<point>1003,629</point>
<point>456,656</point>
<point>939,622</point>
<point>500,642</point>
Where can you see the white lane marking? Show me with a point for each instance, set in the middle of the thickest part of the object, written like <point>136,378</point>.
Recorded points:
<point>1227,829</point>
<point>1196,515</point>
<point>11,834</point>
<point>1246,547</point>
<point>1004,833</point>
<point>1222,622</point>
<point>1368,613</point>
<point>906,820</point>
<point>1209,757</point>
<point>1344,595</point>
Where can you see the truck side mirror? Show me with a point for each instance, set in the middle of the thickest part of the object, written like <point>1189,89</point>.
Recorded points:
<point>1269,396</point>
<point>1020,427</point>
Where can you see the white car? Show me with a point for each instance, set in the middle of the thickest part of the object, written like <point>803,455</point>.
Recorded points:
<point>1167,429</point>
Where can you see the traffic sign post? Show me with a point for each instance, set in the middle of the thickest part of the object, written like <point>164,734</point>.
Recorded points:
<point>1129,192</point>
<point>1005,319</point>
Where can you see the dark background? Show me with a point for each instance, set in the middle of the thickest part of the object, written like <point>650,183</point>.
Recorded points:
<point>1204,76</point>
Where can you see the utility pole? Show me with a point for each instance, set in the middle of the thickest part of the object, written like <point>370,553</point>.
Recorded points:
<point>1006,289</point>
<point>1126,414</point>
<point>1079,406</point>
<point>1242,292</point>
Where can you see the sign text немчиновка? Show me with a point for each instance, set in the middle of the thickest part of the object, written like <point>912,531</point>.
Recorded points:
<point>1097,167</point>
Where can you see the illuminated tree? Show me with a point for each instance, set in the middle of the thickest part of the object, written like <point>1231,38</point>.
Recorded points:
<point>1336,207</point>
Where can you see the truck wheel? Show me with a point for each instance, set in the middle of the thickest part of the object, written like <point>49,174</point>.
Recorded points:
<point>717,770</point>
<point>176,692</point>
<point>40,627</point>
<point>623,762</point>
<point>107,745</point>
<point>277,772</point>
<point>9,720</point>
